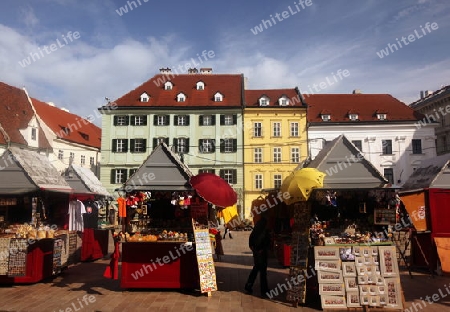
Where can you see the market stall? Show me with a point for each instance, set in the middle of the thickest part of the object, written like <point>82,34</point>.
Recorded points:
<point>97,216</point>
<point>166,244</point>
<point>426,195</point>
<point>32,245</point>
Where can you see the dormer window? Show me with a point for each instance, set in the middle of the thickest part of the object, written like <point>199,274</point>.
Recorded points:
<point>181,97</point>
<point>168,85</point>
<point>284,101</point>
<point>326,117</point>
<point>264,101</point>
<point>34,134</point>
<point>218,97</point>
<point>381,116</point>
<point>353,117</point>
<point>200,85</point>
<point>145,97</point>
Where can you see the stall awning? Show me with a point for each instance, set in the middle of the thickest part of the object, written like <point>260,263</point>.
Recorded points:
<point>83,181</point>
<point>162,170</point>
<point>24,171</point>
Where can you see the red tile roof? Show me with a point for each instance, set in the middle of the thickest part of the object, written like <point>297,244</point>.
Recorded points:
<point>365,105</point>
<point>230,86</point>
<point>252,97</point>
<point>81,131</point>
<point>15,114</point>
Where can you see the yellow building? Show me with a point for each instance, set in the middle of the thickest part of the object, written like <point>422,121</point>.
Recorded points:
<point>275,139</point>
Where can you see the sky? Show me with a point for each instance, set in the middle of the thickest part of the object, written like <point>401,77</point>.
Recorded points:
<point>77,53</point>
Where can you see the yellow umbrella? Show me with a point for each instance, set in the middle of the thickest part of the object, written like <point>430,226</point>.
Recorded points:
<point>300,183</point>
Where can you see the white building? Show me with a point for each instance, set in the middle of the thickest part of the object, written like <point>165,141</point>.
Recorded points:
<point>385,130</point>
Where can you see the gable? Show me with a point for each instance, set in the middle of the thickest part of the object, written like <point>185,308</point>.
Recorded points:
<point>161,171</point>
<point>432,173</point>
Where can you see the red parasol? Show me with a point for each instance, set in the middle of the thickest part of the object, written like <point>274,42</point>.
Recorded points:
<point>214,189</point>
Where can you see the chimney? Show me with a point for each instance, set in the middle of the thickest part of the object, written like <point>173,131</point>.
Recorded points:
<point>165,70</point>
<point>205,70</point>
<point>422,94</point>
<point>192,71</point>
<point>357,91</point>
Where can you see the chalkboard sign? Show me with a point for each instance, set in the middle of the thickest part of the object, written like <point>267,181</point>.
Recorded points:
<point>205,261</point>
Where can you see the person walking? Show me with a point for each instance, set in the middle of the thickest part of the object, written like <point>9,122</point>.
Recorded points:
<point>259,243</point>
<point>227,230</point>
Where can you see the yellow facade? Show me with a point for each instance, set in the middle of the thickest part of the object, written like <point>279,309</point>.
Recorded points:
<point>275,142</point>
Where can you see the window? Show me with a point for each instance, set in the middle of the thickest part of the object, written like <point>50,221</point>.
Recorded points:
<point>118,176</point>
<point>91,161</point>
<point>181,97</point>
<point>277,154</point>
<point>121,120</point>
<point>161,120</point>
<point>417,146</point>
<point>207,171</point>
<point>257,153</point>
<point>139,120</point>
<point>353,117</point>
<point>258,181</point>
<point>277,180</point>
<point>264,101</point>
<point>295,155</point>
<point>138,145</point>
<point>72,156</point>
<point>381,116</point>
<point>389,175</point>
<point>144,97</point>
<point>358,144</point>
<point>294,129</point>
<point>229,175</point>
<point>132,171</point>
<point>182,120</point>
<point>257,129</point>
<point>284,101</point>
<point>84,135</point>
<point>218,97</point>
<point>387,147</point>
<point>60,154</point>
<point>33,134</point>
<point>168,85</point>
<point>119,145</point>
<point>325,117</point>
<point>200,85</point>
<point>181,145</point>
<point>276,129</point>
<point>83,160</point>
<point>207,120</point>
<point>157,141</point>
<point>207,145</point>
<point>228,120</point>
<point>228,145</point>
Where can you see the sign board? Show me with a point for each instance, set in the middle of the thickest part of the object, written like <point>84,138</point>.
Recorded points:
<point>205,261</point>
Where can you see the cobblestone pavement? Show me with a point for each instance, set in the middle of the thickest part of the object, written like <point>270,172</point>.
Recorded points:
<point>83,288</point>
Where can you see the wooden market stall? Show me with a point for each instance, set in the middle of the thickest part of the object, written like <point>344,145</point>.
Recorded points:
<point>166,226</point>
<point>32,246</point>
<point>426,195</point>
<point>336,250</point>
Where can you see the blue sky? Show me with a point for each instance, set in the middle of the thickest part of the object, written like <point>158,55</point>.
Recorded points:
<point>114,53</point>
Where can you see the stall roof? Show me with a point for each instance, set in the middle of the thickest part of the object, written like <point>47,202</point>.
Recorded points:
<point>432,173</point>
<point>345,167</point>
<point>25,171</point>
<point>83,180</point>
<point>162,170</point>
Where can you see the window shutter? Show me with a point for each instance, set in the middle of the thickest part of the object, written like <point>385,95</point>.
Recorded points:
<point>167,120</point>
<point>188,120</point>
<point>213,146</point>
<point>222,120</point>
<point>200,145</point>
<point>155,120</point>
<point>155,142</point>
<point>175,120</point>
<point>234,176</point>
<point>200,120</point>
<point>175,144</point>
<point>132,142</point>
<point>144,144</point>
<point>133,120</point>
<point>113,176</point>
<point>115,121</point>
<point>234,145</point>
<point>234,119</point>
<point>187,145</point>
<point>125,149</point>
<point>144,119</point>
<point>222,145</point>
<point>114,145</point>
<point>166,140</point>
<point>127,120</point>
<point>213,120</point>
<point>221,173</point>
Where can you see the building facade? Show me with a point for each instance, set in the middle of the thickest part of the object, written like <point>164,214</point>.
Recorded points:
<point>384,129</point>
<point>435,106</point>
<point>198,115</point>
<point>275,139</point>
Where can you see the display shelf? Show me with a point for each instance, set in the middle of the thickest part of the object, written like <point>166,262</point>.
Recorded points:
<point>384,216</point>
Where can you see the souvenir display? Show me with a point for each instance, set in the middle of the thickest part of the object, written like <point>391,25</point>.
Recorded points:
<point>205,261</point>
